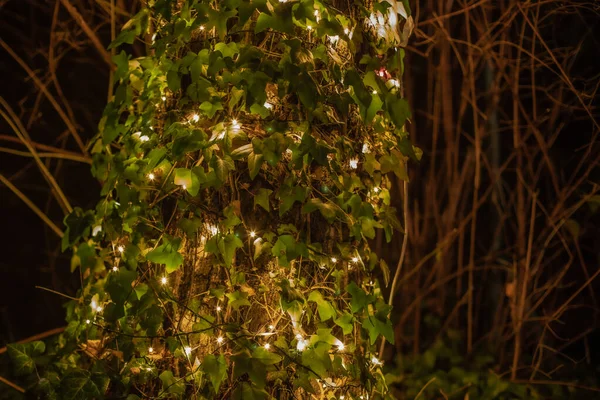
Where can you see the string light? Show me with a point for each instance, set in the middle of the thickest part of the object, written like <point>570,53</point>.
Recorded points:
<point>353,163</point>
<point>97,229</point>
<point>394,82</point>
<point>365,148</point>
<point>252,234</point>
<point>163,280</point>
<point>120,249</point>
<point>333,260</point>
<point>184,187</point>
<point>374,91</point>
<point>144,138</point>
<point>376,189</point>
<point>340,346</point>
<point>219,308</point>
<point>150,350</point>
<point>220,339</point>
<point>99,309</point>
<point>164,98</point>
<point>235,124</point>
<point>375,361</point>
<point>115,268</point>
<point>271,327</point>
<point>333,39</point>
<point>187,350</point>
<point>268,105</point>
<point>301,345</point>
<point>201,27</point>
<point>267,346</point>
<point>354,259</point>
<point>151,176</point>
<point>195,118</point>
<point>87,321</point>
<point>309,27</point>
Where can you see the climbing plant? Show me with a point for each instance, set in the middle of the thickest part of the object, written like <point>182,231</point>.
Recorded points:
<point>245,163</point>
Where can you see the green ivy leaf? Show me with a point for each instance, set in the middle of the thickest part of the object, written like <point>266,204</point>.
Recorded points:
<point>22,355</point>
<point>238,299</point>
<point>346,323</point>
<point>325,308</point>
<point>216,369</point>
<point>265,356</point>
<point>227,246</point>
<point>360,299</point>
<point>185,177</point>
<point>261,198</point>
<point>167,254</point>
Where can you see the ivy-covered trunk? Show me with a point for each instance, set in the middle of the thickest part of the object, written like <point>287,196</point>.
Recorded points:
<point>244,165</point>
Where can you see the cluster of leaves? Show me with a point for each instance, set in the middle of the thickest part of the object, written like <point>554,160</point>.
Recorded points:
<point>444,372</point>
<point>243,163</point>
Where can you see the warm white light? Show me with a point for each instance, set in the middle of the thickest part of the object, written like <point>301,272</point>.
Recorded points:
<point>346,31</point>
<point>235,124</point>
<point>195,118</point>
<point>267,346</point>
<point>87,321</point>
<point>342,397</point>
<point>115,269</point>
<point>164,98</point>
<point>252,234</point>
<point>334,39</point>
<point>394,82</point>
<point>271,327</point>
<point>374,91</point>
<point>219,308</point>
<point>365,148</point>
<point>220,339</point>
<point>376,189</point>
<point>144,138</point>
<point>94,305</point>
<point>99,309</point>
<point>151,176</point>
<point>154,37</point>
<point>309,27</point>
<point>333,260</point>
<point>375,361</point>
<point>353,163</point>
<point>150,350</point>
<point>97,229</point>
<point>184,187</point>
<point>188,350</point>
<point>268,105</point>
<point>163,280</point>
<point>354,259</point>
<point>341,346</point>
<point>121,249</point>
<point>201,27</point>
<point>301,346</point>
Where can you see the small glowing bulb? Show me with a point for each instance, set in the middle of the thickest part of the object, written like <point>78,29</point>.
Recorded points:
<point>342,397</point>
<point>376,189</point>
<point>121,249</point>
<point>150,350</point>
<point>195,118</point>
<point>219,308</point>
<point>316,13</point>
<point>298,336</point>
<point>346,31</point>
<point>271,327</point>
<point>354,163</point>
<point>220,339</point>
<point>87,321</point>
<point>163,280</point>
<point>144,138</point>
<point>334,39</point>
<point>301,346</point>
<point>283,1</point>
<point>151,176</point>
<point>309,27</point>
<point>188,350</point>
<point>99,309</point>
<point>394,82</point>
<point>375,361</point>
<point>268,105</point>
<point>252,234</point>
<point>115,268</point>
<point>341,346</point>
<point>365,148</point>
<point>154,37</point>
<point>184,187</point>
<point>93,305</point>
<point>374,91</point>
<point>333,260</point>
<point>201,27</point>
<point>267,346</point>
<point>354,259</point>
